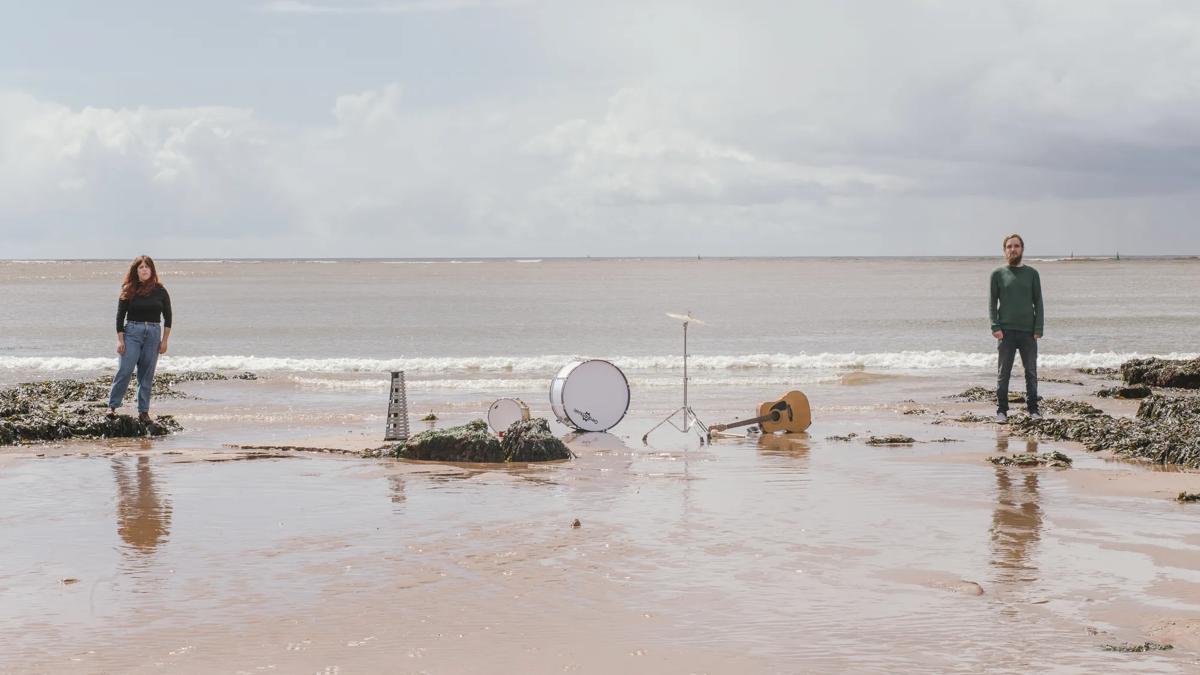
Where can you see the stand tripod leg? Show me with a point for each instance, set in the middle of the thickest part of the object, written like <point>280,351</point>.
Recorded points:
<point>702,425</point>
<point>689,417</point>
<point>664,421</point>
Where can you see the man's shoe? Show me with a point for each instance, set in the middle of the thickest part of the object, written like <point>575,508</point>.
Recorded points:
<point>111,414</point>
<point>1035,415</point>
<point>1001,418</point>
<point>144,418</point>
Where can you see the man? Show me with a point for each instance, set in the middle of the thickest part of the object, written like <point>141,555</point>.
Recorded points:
<point>1017,313</point>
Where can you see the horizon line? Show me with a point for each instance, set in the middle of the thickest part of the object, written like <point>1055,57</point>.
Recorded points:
<point>1045,257</point>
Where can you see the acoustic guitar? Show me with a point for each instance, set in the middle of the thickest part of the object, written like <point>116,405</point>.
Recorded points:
<point>790,414</point>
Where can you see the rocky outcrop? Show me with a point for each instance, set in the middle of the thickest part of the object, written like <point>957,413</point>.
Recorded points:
<point>61,409</point>
<point>471,442</point>
<point>1162,373</point>
<point>1052,459</point>
<point>525,441</point>
<point>1166,430</point>
<point>893,439</point>
<point>1134,391</point>
<point>531,441</point>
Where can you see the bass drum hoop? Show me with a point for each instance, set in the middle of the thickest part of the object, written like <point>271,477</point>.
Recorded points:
<point>562,414</point>
<point>520,406</point>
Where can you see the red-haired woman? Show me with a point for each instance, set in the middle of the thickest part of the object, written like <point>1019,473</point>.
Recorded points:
<point>140,335</point>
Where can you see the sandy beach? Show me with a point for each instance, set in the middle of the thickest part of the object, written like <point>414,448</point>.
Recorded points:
<point>772,554</point>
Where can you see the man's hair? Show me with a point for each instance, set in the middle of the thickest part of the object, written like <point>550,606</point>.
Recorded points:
<point>1013,236</point>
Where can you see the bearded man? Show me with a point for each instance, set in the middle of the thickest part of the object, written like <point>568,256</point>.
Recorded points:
<point>1017,313</point>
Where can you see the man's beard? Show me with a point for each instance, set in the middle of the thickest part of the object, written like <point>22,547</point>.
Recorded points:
<point>1015,262</point>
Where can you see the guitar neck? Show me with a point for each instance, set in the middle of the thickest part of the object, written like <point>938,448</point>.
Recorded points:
<point>773,416</point>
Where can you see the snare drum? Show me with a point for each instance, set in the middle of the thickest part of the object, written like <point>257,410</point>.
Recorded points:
<point>589,395</point>
<point>504,412</point>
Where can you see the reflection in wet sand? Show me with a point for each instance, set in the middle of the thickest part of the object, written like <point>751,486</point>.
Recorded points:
<point>784,445</point>
<point>593,440</point>
<point>1017,518</point>
<point>143,515</point>
<point>396,483</point>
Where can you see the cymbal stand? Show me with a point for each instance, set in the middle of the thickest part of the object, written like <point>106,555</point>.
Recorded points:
<point>688,417</point>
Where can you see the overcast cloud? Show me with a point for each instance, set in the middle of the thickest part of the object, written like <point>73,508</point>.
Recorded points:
<point>511,128</point>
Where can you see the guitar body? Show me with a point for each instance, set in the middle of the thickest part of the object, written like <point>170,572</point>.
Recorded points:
<point>794,415</point>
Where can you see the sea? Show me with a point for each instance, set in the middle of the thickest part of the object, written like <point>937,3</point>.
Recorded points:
<point>487,324</point>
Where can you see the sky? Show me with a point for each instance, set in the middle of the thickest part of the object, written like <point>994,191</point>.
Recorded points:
<point>456,128</point>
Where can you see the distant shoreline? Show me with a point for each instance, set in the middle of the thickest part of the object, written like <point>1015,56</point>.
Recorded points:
<point>535,260</point>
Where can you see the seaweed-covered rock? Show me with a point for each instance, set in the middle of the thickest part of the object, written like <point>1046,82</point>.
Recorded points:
<point>1162,372</point>
<point>1111,373</point>
<point>471,442</point>
<point>986,394</point>
<point>1063,406</point>
<point>531,441</point>
<point>894,439</point>
<point>1052,459</point>
<point>1053,406</point>
<point>527,441</point>
<point>1135,391</point>
<point>1180,409</point>
<point>1165,431</point>
<point>61,409</point>
<point>1186,497</point>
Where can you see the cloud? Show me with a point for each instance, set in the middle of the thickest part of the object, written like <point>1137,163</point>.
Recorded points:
<point>818,127</point>
<point>639,152</point>
<point>155,171</point>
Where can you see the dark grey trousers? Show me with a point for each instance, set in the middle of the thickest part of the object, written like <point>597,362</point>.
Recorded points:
<point>1017,341</point>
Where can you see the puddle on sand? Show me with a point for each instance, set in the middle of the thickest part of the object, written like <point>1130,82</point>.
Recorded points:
<point>746,555</point>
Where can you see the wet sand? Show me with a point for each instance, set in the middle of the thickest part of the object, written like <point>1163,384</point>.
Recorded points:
<point>777,554</point>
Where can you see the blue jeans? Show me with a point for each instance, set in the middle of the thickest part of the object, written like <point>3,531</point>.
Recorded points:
<point>141,350</point>
<point>1017,341</point>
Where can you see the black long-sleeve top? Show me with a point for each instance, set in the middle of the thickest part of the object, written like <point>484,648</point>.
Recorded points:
<point>145,308</point>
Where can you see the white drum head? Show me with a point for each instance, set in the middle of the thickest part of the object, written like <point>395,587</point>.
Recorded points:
<point>590,395</point>
<point>504,412</point>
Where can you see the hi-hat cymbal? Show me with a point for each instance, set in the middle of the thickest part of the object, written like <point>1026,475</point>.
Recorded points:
<point>685,318</point>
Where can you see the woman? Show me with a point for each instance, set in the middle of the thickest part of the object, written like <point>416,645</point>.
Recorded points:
<point>140,336</point>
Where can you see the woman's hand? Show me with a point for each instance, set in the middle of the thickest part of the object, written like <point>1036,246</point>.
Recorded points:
<point>999,334</point>
<point>121,344</point>
<point>162,347</point>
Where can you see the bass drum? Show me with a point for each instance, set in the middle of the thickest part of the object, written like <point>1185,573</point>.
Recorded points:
<point>589,395</point>
<point>504,412</point>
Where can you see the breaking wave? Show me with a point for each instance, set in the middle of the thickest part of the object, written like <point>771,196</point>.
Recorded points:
<point>537,384</point>
<point>550,363</point>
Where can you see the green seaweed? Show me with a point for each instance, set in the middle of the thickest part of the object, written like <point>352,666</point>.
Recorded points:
<point>893,439</point>
<point>60,409</point>
<point>1131,648</point>
<point>470,442</point>
<point>524,441</point>
<point>1157,372</point>
<point>531,441</point>
<point>1051,459</point>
